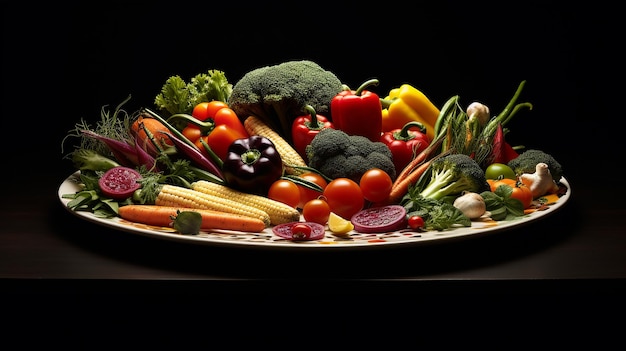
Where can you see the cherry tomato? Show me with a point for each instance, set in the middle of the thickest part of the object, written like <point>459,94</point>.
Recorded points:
<point>307,194</point>
<point>523,193</point>
<point>207,109</point>
<point>284,191</point>
<point>344,196</point>
<point>520,191</point>
<point>375,185</point>
<point>226,127</point>
<point>316,210</point>
<point>416,222</point>
<point>301,231</point>
<point>499,171</point>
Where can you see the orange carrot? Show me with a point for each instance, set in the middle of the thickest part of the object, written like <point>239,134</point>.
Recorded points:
<point>162,216</point>
<point>399,189</point>
<point>419,159</point>
<point>412,172</point>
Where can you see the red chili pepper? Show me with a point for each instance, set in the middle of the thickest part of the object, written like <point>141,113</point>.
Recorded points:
<point>305,128</point>
<point>358,112</point>
<point>405,143</point>
<point>502,152</point>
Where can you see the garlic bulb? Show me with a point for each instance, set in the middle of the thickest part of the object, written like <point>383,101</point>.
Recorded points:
<point>471,204</point>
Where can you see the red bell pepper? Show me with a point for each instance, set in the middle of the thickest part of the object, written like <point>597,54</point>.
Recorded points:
<point>358,112</point>
<point>405,143</point>
<point>305,128</point>
<point>217,130</point>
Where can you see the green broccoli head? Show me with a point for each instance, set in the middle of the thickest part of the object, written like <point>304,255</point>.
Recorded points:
<point>337,154</point>
<point>528,160</point>
<point>451,175</point>
<point>278,94</point>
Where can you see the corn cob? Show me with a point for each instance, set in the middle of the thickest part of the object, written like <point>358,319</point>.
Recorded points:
<point>279,212</point>
<point>172,195</point>
<point>289,155</point>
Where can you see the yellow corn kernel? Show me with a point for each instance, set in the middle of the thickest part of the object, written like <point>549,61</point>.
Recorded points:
<point>172,195</point>
<point>289,155</point>
<point>279,212</point>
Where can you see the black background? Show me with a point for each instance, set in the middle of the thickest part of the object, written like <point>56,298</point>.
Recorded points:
<point>66,62</point>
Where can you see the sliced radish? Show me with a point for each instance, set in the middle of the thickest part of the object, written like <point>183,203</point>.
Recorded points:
<point>380,219</point>
<point>286,231</point>
<point>119,182</point>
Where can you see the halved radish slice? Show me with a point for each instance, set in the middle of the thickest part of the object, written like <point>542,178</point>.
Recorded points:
<point>380,219</point>
<point>119,182</point>
<point>294,231</point>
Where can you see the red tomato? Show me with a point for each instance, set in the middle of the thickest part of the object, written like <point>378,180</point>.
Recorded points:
<point>226,127</point>
<point>316,210</point>
<point>307,194</point>
<point>284,191</point>
<point>344,196</point>
<point>375,185</point>
<point>520,191</point>
<point>207,109</point>
<point>301,231</point>
<point>416,222</point>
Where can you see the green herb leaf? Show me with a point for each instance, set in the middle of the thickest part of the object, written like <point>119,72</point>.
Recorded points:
<point>187,222</point>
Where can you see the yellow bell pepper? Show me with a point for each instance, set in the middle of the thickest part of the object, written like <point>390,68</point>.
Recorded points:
<point>406,104</point>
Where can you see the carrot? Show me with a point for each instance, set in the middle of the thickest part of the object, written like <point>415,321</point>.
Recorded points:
<point>412,171</point>
<point>399,189</point>
<point>162,216</point>
<point>146,132</point>
<point>418,159</point>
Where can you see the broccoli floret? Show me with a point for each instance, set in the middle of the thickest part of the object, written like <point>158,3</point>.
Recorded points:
<point>451,175</point>
<point>527,162</point>
<point>337,154</point>
<point>278,94</point>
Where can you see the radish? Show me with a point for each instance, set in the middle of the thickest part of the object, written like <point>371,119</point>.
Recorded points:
<point>380,219</point>
<point>119,182</point>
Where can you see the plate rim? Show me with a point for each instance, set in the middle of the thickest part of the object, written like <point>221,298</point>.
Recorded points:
<point>69,185</point>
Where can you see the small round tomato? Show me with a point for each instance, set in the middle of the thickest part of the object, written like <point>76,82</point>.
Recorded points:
<point>376,185</point>
<point>523,193</point>
<point>316,210</point>
<point>207,109</point>
<point>499,171</point>
<point>307,194</point>
<point>520,191</point>
<point>416,222</point>
<point>285,191</point>
<point>344,196</point>
<point>301,231</point>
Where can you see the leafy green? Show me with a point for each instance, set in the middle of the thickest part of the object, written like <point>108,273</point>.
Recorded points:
<point>90,198</point>
<point>187,222</point>
<point>178,96</point>
<point>437,214</point>
<point>501,205</point>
